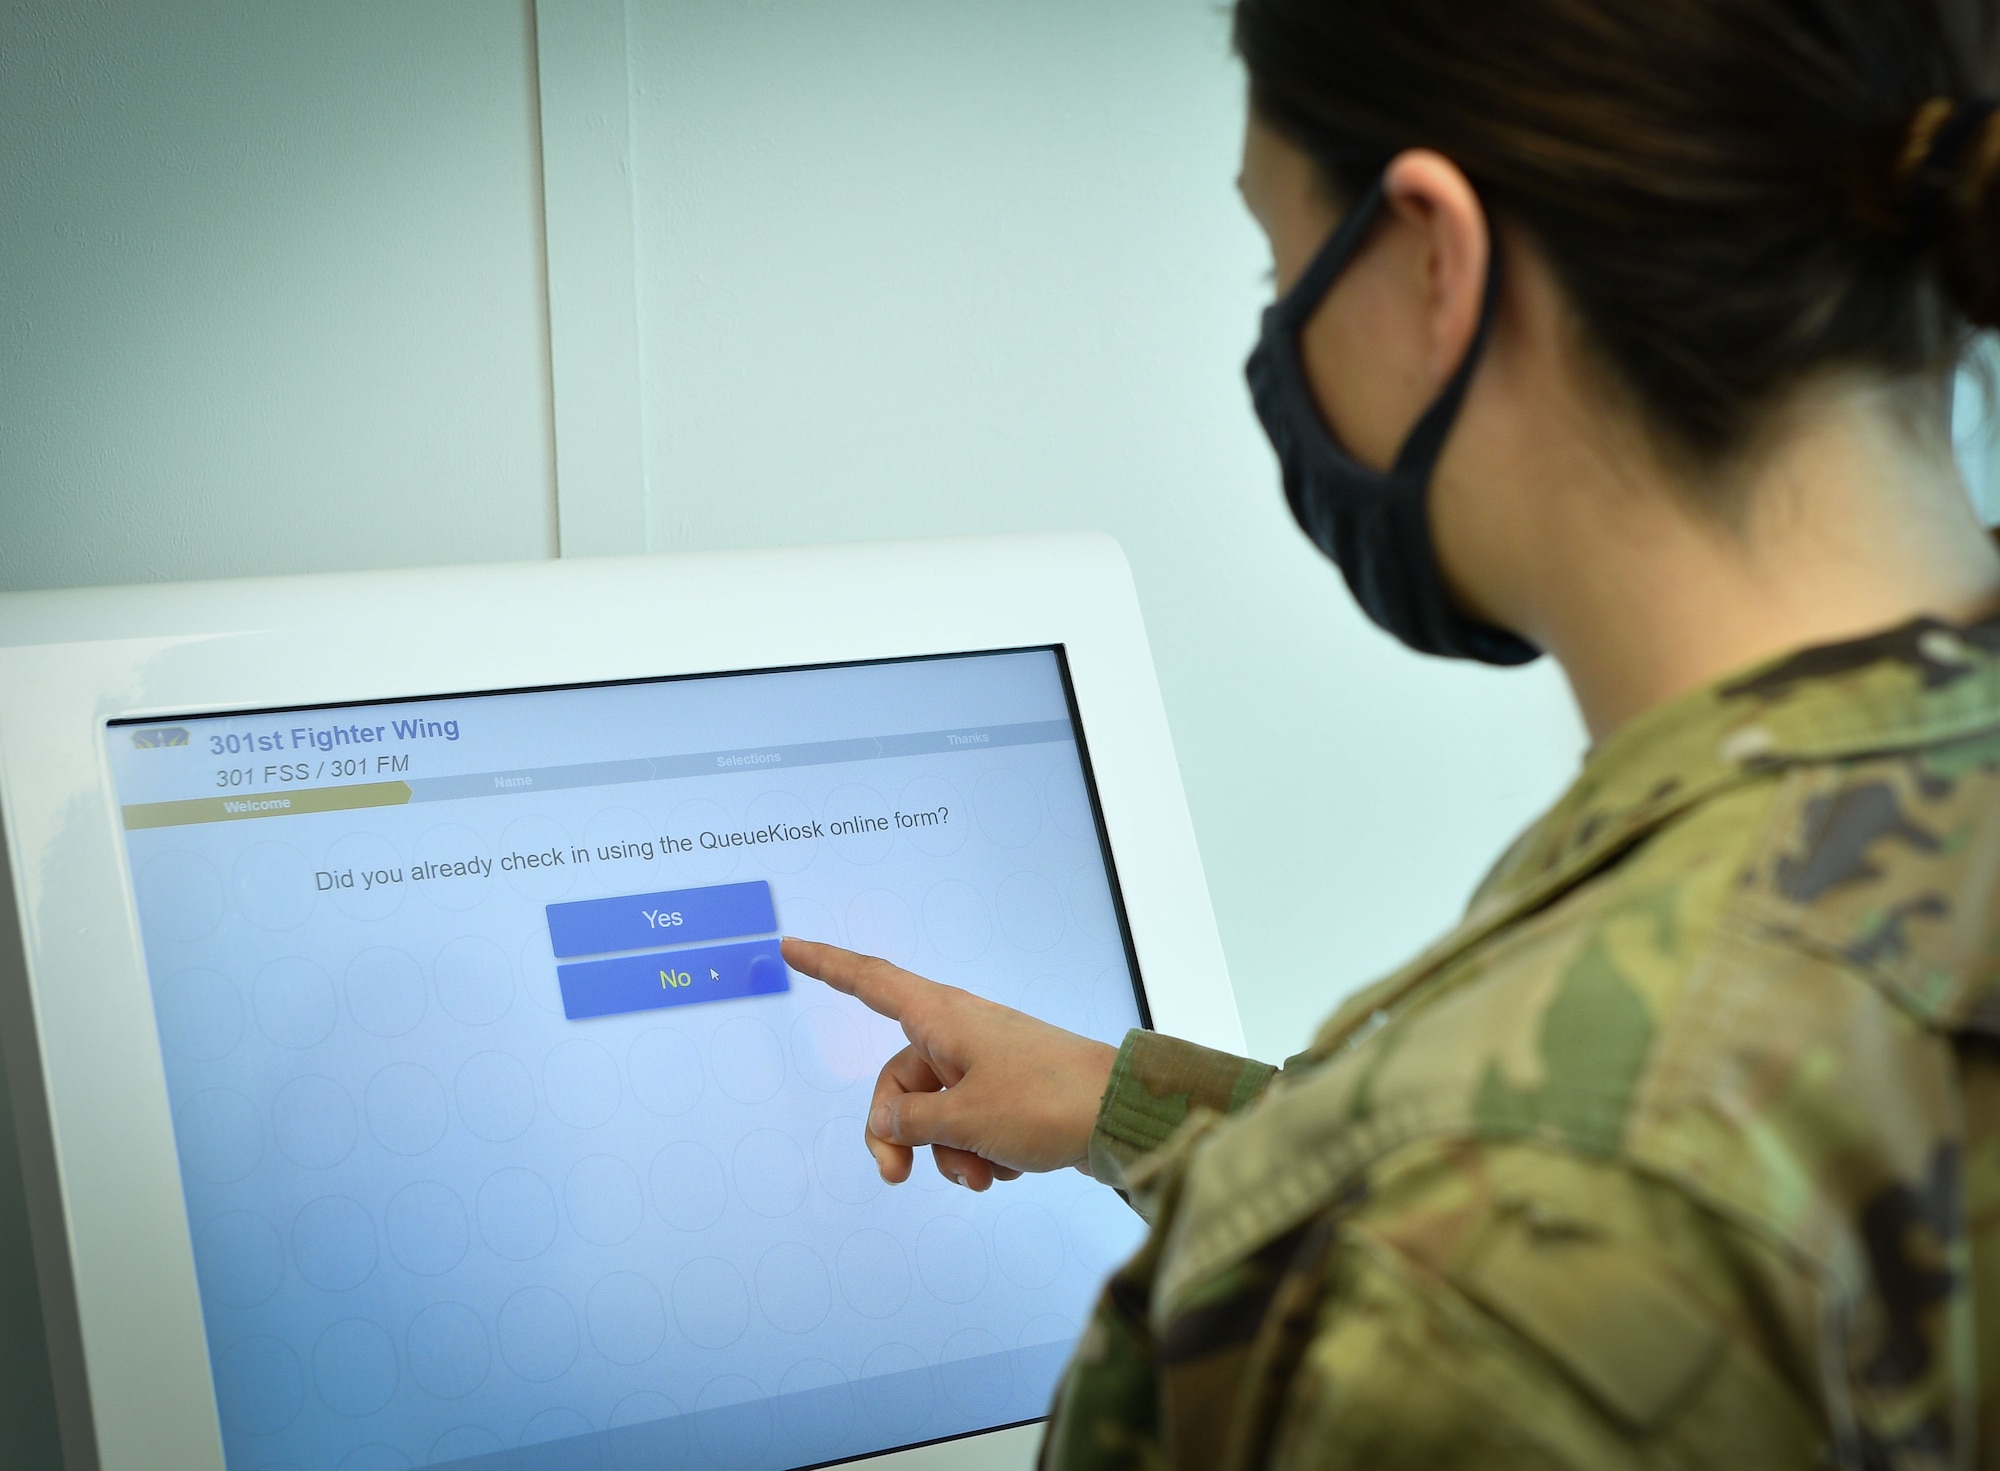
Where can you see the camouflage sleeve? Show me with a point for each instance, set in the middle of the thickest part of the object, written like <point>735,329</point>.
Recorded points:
<point>1155,1085</point>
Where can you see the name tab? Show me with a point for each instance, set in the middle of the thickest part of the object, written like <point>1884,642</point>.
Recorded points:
<point>671,917</point>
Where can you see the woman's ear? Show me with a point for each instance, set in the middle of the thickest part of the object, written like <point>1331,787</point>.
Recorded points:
<point>1428,194</point>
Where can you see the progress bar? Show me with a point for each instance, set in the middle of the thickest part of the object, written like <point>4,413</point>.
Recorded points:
<point>588,774</point>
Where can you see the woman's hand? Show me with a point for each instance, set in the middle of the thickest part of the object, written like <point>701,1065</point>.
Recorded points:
<point>992,1091</point>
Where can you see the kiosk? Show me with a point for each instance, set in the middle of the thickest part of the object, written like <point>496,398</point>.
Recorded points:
<point>405,1067</point>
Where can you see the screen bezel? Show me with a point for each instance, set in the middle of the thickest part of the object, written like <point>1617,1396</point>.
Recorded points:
<point>1077,730</point>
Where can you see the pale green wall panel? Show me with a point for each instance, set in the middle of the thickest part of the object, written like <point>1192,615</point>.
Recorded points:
<point>271,293</point>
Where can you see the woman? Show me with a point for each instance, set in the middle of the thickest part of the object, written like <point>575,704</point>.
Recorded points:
<point>1684,1148</point>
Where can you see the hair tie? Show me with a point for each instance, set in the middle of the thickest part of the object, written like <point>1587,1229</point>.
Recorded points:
<point>1940,135</point>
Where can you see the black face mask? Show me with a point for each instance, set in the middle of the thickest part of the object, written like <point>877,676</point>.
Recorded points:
<point>1375,525</point>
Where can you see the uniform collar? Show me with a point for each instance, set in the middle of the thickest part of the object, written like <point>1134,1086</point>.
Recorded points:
<point>1922,683</point>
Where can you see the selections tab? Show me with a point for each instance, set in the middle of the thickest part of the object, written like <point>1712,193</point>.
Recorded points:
<point>675,978</point>
<point>672,917</point>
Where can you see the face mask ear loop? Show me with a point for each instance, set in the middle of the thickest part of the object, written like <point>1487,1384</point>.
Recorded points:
<point>1297,305</point>
<point>1374,524</point>
<point>1426,442</point>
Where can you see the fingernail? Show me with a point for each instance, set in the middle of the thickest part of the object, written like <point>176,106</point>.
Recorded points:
<point>879,1121</point>
<point>961,1180</point>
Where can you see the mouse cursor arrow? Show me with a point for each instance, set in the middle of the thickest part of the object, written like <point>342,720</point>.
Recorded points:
<point>714,974</point>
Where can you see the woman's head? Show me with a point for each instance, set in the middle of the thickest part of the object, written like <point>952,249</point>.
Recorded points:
<point>1735,195</point>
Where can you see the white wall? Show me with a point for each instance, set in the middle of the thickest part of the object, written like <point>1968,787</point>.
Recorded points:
<point>271,289</point>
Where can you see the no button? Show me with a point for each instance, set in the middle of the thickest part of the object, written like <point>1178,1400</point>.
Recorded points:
<point>676,978</point>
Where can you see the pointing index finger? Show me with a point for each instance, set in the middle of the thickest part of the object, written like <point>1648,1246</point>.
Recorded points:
<point>876,984</point>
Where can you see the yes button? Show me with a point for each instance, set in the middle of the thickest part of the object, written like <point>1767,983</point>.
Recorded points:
<point>668,917</point>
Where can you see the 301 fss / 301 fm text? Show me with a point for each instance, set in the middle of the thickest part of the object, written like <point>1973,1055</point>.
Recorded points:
<point>339,769</point>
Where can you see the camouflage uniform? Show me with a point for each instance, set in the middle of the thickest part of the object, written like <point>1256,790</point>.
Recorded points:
<point>1683,1149</point>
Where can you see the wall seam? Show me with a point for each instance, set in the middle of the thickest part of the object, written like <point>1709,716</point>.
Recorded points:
<point>553,528</point>
<point>584,86</point>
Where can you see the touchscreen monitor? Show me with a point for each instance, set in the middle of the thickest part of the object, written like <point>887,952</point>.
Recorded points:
<point>507,1138</point>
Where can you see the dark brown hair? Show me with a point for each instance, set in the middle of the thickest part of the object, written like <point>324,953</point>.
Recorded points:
<point>1736,194</point>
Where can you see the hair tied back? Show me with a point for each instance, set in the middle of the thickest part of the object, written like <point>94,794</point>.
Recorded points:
<point>1735,195</point>
<point>1948,190</point>
<point>1949,158</point>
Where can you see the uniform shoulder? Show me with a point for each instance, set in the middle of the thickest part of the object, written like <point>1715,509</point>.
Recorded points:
<point>1548,1027</point>
<point>1543,1031</point>
<point>1886,865</point>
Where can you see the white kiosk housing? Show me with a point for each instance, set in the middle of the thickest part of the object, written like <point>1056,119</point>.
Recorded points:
<point>357,1131</point>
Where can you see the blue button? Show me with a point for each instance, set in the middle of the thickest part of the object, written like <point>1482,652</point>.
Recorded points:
<point>673,917</point>
<point>675,978</point>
